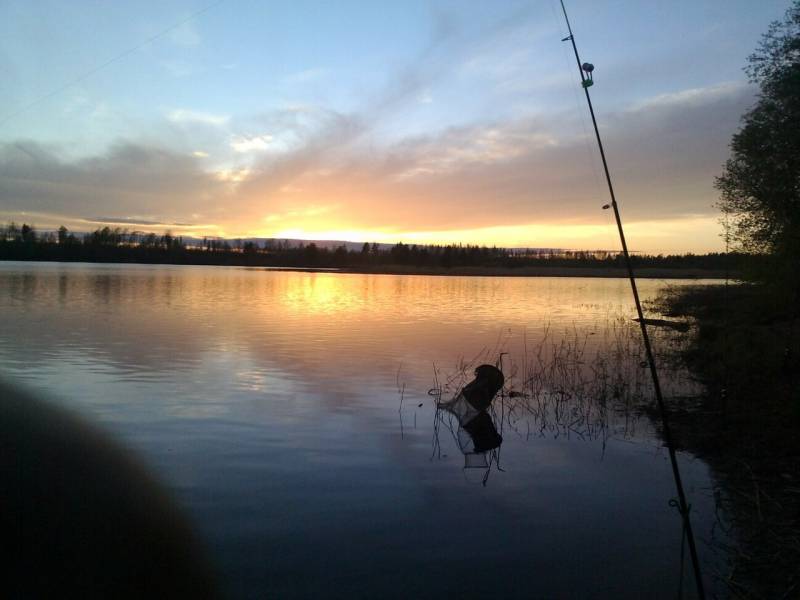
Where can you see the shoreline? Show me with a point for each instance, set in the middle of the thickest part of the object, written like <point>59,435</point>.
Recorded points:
<point>744,427</point>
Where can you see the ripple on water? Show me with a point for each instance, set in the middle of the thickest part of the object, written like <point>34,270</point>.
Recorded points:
<point>269,403</point>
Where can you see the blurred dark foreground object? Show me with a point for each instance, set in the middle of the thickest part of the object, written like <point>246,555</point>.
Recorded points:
<point>81,518</point>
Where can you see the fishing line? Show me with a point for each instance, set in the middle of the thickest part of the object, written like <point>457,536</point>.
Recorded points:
<point>107,63</point>
<point>585,70</point>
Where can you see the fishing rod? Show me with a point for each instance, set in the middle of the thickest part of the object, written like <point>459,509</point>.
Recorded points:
<point>585,70</point>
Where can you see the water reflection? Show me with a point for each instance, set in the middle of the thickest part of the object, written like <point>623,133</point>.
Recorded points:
<point>148,323</point>
<point>268,403</point>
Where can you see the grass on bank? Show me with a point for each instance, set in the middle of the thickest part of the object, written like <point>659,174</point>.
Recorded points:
<point>744,347</point>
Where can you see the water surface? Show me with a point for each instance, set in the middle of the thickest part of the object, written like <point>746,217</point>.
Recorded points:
<point>267,402</point>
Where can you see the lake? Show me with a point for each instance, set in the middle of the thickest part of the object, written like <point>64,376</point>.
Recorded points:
<point>293,416</point>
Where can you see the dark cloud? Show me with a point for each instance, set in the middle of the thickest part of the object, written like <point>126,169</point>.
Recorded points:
<point>134,221</point>
<point>131,179</point>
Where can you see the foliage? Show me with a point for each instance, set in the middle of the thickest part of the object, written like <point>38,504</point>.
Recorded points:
<point>760,187</point>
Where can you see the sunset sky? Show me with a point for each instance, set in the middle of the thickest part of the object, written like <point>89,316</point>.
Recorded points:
<point>374,121</point>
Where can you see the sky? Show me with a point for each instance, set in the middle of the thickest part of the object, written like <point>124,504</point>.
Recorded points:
<point>421,122</point>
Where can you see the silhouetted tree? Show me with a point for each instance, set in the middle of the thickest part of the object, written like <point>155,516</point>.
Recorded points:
<point>311,254</point>
<point>760,186</point>
<point>12,232</point>
<point>28,234</point>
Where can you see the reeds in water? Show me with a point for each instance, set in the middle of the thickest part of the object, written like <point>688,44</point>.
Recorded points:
<point>585,384</point>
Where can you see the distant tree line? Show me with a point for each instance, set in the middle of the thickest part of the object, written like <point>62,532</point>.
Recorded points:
<point>120,245</point>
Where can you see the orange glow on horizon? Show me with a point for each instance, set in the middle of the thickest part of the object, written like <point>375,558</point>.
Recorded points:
<point>663,236</point>
<point>678,236</point>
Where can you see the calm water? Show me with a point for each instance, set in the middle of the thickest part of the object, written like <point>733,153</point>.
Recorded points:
<point>268,403</point>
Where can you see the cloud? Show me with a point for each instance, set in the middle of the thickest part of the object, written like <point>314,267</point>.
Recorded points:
<point>518,166</point>
<point>693,96</point>
<point>253,143</point>
<point>531,170</point>
<point>152,182</point>
<point>135,221</point>
<point>317,138</point>
<point>464,147</point>
<point>232,175</point>
<point>311,211</point>
<point>182,115</point>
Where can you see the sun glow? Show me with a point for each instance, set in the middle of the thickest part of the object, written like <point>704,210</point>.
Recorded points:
<point>663,236</point>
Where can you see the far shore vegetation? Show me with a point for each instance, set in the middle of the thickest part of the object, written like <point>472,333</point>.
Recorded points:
<point>122,246</point>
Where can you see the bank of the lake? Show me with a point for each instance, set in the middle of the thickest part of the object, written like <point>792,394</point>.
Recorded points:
<point>744,346</point>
